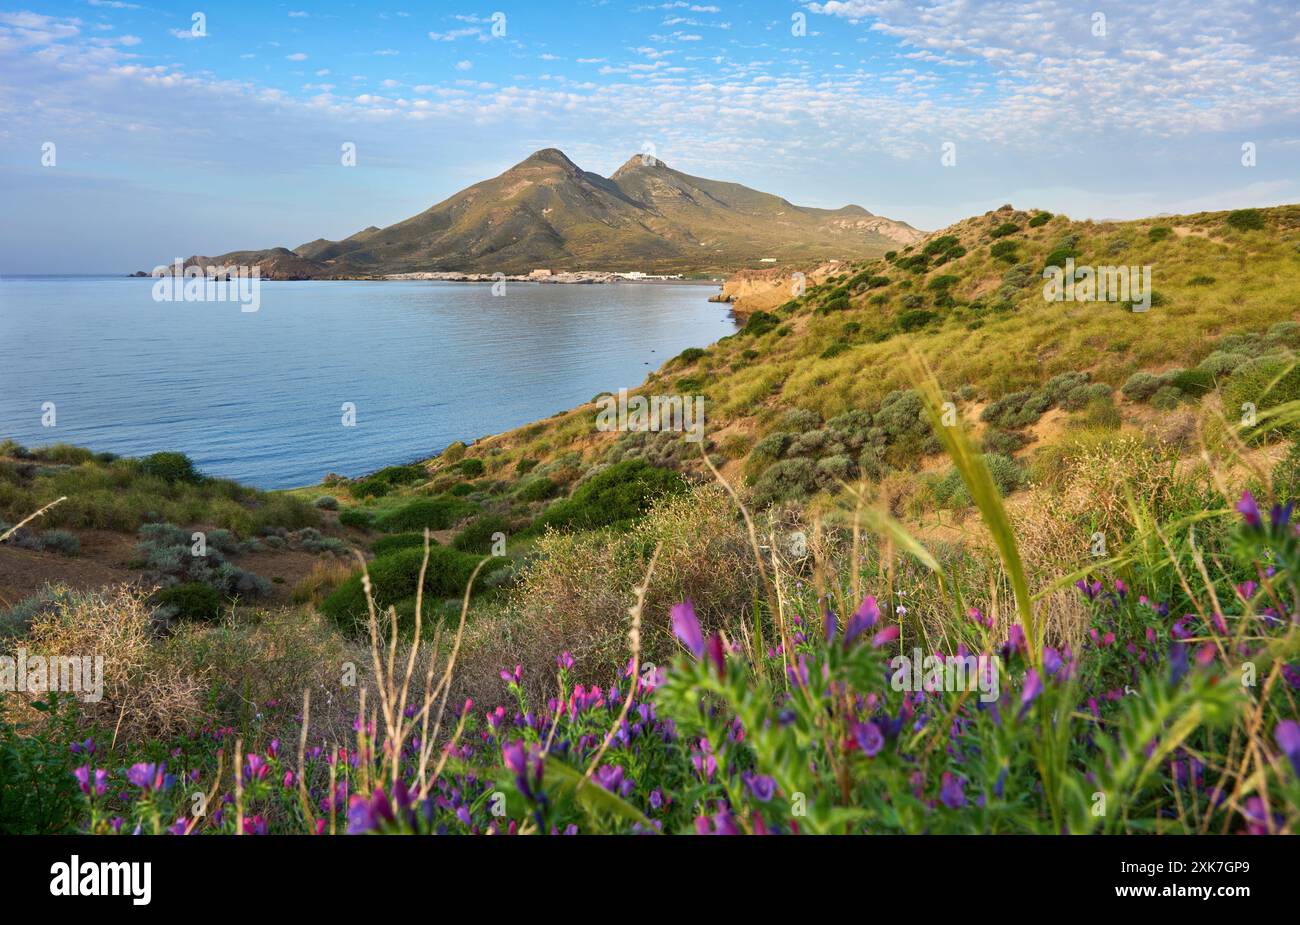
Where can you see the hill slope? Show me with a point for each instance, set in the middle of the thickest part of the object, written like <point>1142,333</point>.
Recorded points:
<point>546,212</point>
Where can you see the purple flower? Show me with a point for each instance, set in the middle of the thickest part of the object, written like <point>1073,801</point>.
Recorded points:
<point>564,660</point>
<point>717,655</point>
<point>869,738</point>
<point>1280,516</point>
<point>952,791</point>
<point>761,786</point>
<point>1033,687</point>
<point>686,626</point>
<point>84,776</point>
<point>149,776</point>
<point>256,769</point>
<point>863,619</point>
<point>1287,735</point>
<point>1249,510</point>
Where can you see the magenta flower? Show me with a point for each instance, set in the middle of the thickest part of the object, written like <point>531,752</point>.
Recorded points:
<point>1033,687</point>
<point>564,660</point>
<point>84,779</point>
<point>1249,510</point>
<point>686,627</point>
<point>256,768</point>
<point>717,655</point>
<point>150,777</point>
<point>885,636</point>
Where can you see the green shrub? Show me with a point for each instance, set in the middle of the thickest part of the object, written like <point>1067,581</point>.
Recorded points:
<point>370,488</point>
<point>60,541</point>
<point>1004,250</point>
<point>1006,228</point>
<point>1141,386</point>
<point>356,517</point>
<point>1264,382</point>
<point>400,475</point>
<point>327,503</point>
<point>617,494</point>
<point>525,466</point>
<point>189,601</point>
<point>1193,382</point>
<point>478,534</point>
<point>913,320</point>
<point>38,794</point>
<point>690,355</point>
<point>1040,219</point>
<point>1159,233</point>
<point>438,513</point>
<point>787,480</point>
<point>538,489</point>
<point>170,467</point>
<point>1005,442</point>
<point>394,578</point>
<point>471,468</point>
<point>760,323</point>
<point>398,541</point>
<point>1220,363</point>
<point>1167,398</point>
<point>1246,220</point>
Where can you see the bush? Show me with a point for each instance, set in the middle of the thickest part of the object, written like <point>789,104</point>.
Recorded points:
<point>615,495</point>
<point>471,468</point>
<point>400,475</point>
<point>327,503</point>
<point>438,513</point>
<point>538,489</point>
<point>1221,363</point>
<point>398,541</point>
<point>912,320</point>
<point>356,517</point>
<point>190,601</point>
<point>38,794</point>
<point>787,480</point>
<point>690,355</point>
<point>1167,398</point>
<point>60,541</point>
<point>393,579</point>
<point>1006,228</point>
<point>760,323</point>
<point>1159,233</point>
<point>1141,386</point>
<point>370,488</point>
<point>1040,219</point>
<point>170,467</point>
<point>1265,382</point>
<point>1246,220</point>
<point>1004,250</point>
<point>478,534</point>
<point>1005,442</point>
<point>1194,382</point>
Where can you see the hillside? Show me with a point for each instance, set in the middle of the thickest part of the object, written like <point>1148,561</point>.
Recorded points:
<point>546,212</point>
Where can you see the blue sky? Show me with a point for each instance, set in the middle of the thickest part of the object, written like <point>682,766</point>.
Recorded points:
<point>169,143</point>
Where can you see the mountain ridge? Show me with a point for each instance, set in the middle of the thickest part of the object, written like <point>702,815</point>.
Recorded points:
<point>546,212</point>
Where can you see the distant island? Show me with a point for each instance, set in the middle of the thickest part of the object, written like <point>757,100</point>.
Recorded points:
<point>548,218</point>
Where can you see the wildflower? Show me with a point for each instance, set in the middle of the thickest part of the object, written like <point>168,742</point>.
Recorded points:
<point>761,786</point>
<point>1033,687</point>
<point>1015,639</point>
<point>256,768</point>
<point>1287,735</point>
<point>87,746</point>
<point>84,777</point>
<point>256,825</point>
<point>149,777</point>
<point>180,827</point>
<point>885,636</point>
<point>716,654</point>
<point>1280,516</point>
<point>869,738</point>
<point>611,778</point>
<point>865,617</point>
<point>527,769</point>
<point>1249,510</point>
<point>515,677</point>
<point>564,660</point>
<point>952,792</point>
<point>686,626</point>
<point>288,780</point>
<point>832,627</point>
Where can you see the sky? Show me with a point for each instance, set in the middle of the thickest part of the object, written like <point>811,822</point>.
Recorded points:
<point>135,133</point>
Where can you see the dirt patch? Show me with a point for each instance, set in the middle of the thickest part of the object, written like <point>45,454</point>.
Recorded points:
<point>24,572</point>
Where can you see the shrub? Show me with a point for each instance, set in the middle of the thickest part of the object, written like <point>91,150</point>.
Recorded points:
<point>1193,382</point>
<point>1167,398</point>
<point>834,350</point>
<point>618,494</point>
<point>170,467</point>
<point>1246,220</point>
<point>471,468</point>
<point>912,320</point>
<point>400,475</point>
<point>1005,442</point>
<point>1159,233</point>
<point>327,503</point>
<point>1286,475</point>
<point>787,480</point>
<point>690,355</point>
<point>1040,219</point>
<point>760,323</point>
<point>1221,363</point>
<point>356,517</point>
<point>1265,382</point>
<point>1006,228</point>
<point>189,601</point>
<point>370,488</point>
<point>60,541</point>
<point>1141,386</point>
<point>478,534</point>
<point>437,513</point>
<point>394,578</point>
<point>38,793</point>
<point>538,489</point>
<point>1004,250</point>
<point>397,541</point>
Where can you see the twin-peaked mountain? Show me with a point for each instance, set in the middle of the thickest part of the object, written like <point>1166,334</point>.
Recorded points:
<point>548,213</point>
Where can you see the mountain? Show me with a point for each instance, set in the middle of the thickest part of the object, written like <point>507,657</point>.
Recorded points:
<point>548,213</point>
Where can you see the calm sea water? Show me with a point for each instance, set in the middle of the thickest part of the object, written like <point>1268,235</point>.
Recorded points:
<point>258,396</point>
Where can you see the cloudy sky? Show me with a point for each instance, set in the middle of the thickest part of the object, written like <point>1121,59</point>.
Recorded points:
<point>176,133</point>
